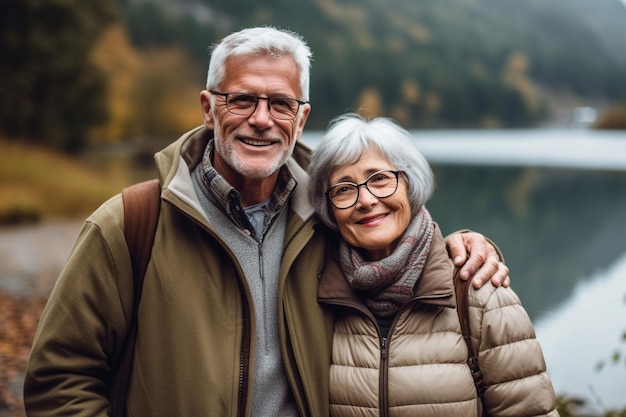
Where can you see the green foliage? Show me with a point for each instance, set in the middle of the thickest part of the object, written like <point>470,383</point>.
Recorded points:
<point>50,92</point>
<point>150,24</point>
<point>470,63</point>
<point>567,407</point>
<point>575,407</point>
<point>455,50</point>
<point>39,184</point>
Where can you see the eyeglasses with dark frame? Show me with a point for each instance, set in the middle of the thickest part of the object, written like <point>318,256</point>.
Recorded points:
<point>245,104</point>
<point>380,184</point>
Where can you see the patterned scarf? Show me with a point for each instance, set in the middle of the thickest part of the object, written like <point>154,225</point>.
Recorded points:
<point>387,284</point>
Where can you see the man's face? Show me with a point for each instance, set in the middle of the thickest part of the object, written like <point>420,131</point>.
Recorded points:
<point>254,146</point>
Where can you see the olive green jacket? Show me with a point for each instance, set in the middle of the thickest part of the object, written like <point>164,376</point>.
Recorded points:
<point>194,354</point>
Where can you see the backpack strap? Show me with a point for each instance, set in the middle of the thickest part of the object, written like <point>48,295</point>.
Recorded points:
<point>461,289</point>
<point>141,213</point>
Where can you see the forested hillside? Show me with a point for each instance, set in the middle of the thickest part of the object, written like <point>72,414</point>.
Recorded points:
<point>427,63</point>
<point>79,72</point>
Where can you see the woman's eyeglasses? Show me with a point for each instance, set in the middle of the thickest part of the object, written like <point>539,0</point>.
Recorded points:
<point>380,184</point>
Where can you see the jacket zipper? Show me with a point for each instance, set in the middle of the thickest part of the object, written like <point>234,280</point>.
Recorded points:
<point>264,295</point>
<point>244,360</point>
<point>383,394</point>
<point>244,353</point>
<point>384,375</point>
<point>383,386</point>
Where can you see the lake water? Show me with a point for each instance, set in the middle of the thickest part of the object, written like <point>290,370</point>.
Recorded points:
<point>555,203</point>
<point>566,148</point>
<point>584,331</point>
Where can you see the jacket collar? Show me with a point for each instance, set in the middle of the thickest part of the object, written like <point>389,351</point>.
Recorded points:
<point>435,286</point>
<point>189,149</point>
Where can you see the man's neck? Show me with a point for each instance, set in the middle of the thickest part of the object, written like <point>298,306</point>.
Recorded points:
<point>255,190</point>
<point>252,190</point>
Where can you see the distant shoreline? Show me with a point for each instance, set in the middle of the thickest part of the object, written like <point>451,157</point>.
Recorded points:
<point>563,148</point>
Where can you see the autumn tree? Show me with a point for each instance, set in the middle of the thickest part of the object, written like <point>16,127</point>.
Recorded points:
<point>51,92</point>
<point>151,93</point>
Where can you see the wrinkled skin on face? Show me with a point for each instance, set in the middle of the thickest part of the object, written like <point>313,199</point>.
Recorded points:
<point>251,149</point>
<point>372,224</point>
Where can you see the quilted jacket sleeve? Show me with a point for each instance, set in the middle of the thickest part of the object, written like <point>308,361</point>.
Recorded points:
<point>509,355</point>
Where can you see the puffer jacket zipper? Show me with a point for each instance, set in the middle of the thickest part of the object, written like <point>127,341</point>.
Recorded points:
<point>383,390</point>
<point>385,341</point>
<point>384,352</point>
<point>383,397</point>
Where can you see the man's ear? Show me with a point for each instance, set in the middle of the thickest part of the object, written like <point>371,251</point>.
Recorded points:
<point>306,110</point>
<point>207,114</point>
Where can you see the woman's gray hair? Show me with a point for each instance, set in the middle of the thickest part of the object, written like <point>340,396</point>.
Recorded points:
<point>261,41</point>
<point>348,136</point>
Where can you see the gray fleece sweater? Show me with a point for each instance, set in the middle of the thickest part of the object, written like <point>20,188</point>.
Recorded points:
<point>260,258</point>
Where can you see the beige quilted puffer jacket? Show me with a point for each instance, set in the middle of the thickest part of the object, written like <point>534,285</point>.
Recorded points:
<point>419,368</point>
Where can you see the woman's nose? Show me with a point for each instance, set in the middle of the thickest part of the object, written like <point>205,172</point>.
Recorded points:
<point>365,197</point>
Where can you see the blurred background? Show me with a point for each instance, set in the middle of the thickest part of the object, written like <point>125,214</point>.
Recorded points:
<point>520,107</point>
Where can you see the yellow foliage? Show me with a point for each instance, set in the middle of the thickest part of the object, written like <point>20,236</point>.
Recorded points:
<point>151,93</point>
<point>517,63</point>
<point>121,64</point>
<point>519,196</point>
<point>515,74</point>
<point>402,115</point>
<point>409,25</point>
<point>369,103</point>
<point>353,14</point>
<point>396,44</point>
<point>433,103</point>
<point>168,92</point>
<point>420,34</point>
<point>410,92</point>
<point>612,118</point>
<point>28,191</point>
<point>356,16</point>
<point>490,122</point>
<point>360,19</point>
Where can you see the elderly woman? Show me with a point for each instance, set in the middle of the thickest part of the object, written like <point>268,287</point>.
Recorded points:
<point>397,345</point>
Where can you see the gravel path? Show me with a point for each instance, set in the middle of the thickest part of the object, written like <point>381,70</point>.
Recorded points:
<point>32,256</point>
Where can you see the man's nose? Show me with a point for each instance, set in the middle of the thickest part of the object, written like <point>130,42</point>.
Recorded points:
<point>262,113</point>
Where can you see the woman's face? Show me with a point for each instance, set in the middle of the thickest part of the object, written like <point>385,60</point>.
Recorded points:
<point>372,224</point>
